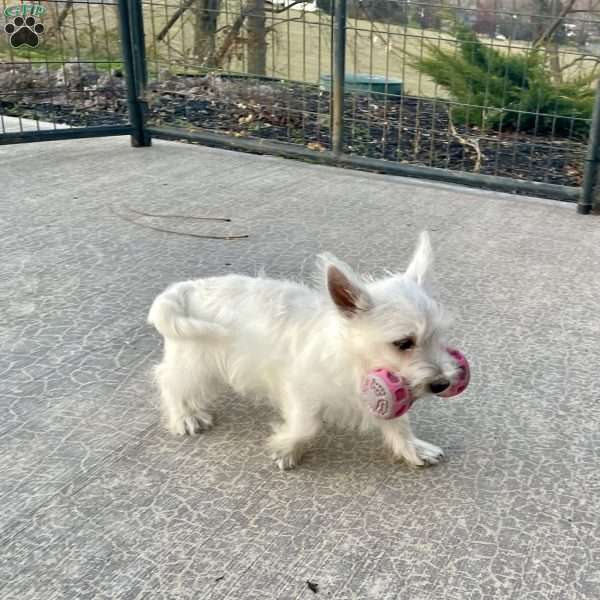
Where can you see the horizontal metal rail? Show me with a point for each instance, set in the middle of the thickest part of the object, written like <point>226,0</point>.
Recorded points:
<point>50,135</point>
<point>489,182</point>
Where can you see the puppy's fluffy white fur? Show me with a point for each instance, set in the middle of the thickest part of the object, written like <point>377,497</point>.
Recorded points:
<point>304,348</point>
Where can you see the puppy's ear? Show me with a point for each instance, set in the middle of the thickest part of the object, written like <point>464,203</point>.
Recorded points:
<point>421,261</point>
<point>344,287</point>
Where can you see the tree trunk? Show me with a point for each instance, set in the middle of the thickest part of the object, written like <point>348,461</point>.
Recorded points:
<point>231,37</point>
<point>206,14</point>
<point>257,38</point>
<point>554,61</point>
<point>552,47</point>
<point>550,36</point>
<point>59,17</point>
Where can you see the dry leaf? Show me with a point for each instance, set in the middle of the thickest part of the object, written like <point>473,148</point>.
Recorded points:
<point>315,146</point>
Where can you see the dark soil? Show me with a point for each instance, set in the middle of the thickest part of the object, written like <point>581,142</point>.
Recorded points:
<point>406,129</point>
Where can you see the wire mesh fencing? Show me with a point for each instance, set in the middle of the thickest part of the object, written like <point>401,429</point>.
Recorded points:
<point>483,87</point>
<point>244,69</point>
<point>61,67</point>
<point>493,88</point>
<point>497,93</point>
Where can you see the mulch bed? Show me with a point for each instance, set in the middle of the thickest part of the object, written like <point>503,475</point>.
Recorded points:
<point>408,129</point>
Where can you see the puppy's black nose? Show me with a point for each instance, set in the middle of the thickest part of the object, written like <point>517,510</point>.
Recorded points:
<point>437,387</point>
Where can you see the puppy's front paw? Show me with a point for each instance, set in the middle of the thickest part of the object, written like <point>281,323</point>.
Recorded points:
<point>427,453</point>
<point>191,424</point>
<point>418,453</point>
<point>286,462</point>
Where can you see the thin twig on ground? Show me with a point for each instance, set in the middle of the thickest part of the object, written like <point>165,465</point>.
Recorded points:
<point>171,216</point>
<point>174,232</point>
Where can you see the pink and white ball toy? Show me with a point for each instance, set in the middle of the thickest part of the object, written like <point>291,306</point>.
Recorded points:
<point>389,396</point>
<point>386,395</point>
<point>463,377</point>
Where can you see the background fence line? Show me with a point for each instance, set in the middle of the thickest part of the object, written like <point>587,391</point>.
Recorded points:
<point>480,92</point>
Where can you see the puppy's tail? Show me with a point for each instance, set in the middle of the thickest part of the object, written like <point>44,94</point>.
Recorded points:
<point>169,314</point>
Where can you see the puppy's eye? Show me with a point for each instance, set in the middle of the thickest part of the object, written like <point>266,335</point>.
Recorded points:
<point>405,344</point>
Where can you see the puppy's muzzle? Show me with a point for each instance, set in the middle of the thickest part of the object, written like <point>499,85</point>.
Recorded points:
<point>438,386</point>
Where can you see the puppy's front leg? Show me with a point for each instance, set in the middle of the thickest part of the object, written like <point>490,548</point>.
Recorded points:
<point>301,423</point>
<point>398,436</point>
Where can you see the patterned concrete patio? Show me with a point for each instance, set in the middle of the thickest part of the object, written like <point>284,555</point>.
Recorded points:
<point>99,502</point>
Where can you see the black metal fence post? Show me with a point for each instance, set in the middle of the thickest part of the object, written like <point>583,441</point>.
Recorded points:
<point>132,46</point>
<point>138,46</point>
<point>338,48</point>
<point>592,161</point>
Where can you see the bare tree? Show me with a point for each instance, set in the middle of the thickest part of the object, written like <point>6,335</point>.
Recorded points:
<point>215,45</point>
<point>59,16</point>
<point>63,14</point>
<point>206,14</point>
<point>162,34</point>
<point>257,38</point>
<point>547,32</point>
<point>558,12</point>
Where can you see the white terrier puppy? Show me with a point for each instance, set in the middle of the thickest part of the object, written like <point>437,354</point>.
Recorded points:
<point>305,350</point>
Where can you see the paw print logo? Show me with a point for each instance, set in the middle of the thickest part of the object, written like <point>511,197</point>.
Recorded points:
<point>24,32</point>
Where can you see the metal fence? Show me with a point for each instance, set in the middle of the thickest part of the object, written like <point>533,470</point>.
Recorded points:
<point>61,71</point>
<point>488,93</point>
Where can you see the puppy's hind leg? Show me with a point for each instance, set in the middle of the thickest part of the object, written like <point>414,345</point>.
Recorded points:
<point>185,395</point>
